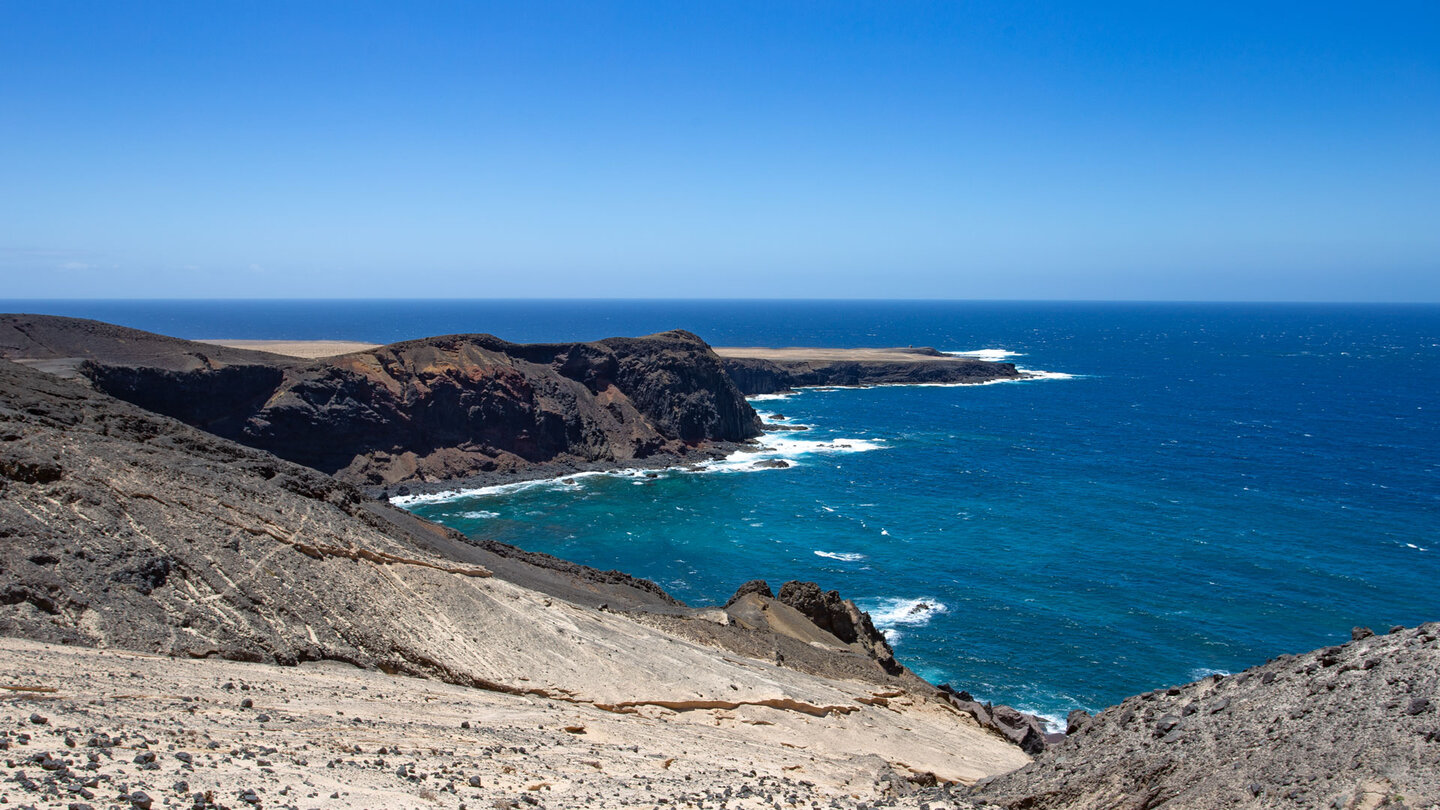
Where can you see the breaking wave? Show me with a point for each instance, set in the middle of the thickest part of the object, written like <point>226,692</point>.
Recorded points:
<point>842,556</point>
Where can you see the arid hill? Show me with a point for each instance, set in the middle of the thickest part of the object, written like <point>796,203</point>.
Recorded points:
<point>1346,727</point>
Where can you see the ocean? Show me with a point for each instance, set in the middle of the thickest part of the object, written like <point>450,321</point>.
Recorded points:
<point>1193,488</point>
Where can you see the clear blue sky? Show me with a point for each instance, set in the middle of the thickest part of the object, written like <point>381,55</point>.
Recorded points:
<point>1095,150</point>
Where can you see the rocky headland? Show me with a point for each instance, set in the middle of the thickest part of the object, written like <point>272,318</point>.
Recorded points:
<point>772,371</point>
<point>451,408</point>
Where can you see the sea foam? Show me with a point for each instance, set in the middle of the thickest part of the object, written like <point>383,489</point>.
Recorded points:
<point>992,355</point>
<point>762,456</point>
<point>842,556</point>
<point>562,482</point>
<point>889,614</point>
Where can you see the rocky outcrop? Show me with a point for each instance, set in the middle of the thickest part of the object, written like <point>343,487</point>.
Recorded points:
<point>1024,730</point>
<point>839,617</point>
<point>755,375</point>
<point>443,408</point>
<point>1351,726</point>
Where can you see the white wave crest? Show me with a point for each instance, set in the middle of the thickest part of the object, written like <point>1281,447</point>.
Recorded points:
<point>570,481</point>
<point>769,449</point>
<point>770,397</point>
<point>1053,723</point>
<point>1035,374</point>
<point>992,355</point>
<point>890,614</point>
<point>772,449</point>
<point>479,514</point>
<point>842,556</point>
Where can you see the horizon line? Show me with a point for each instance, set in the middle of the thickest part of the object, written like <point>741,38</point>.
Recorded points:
<point>833,299</point>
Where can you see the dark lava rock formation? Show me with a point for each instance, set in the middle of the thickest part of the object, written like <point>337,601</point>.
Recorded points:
<point>442,408</point>
<point>839,617</point>
<point>769,376</point>
<point>1353,726</point>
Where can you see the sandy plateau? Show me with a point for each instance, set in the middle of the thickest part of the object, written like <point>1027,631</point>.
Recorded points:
<point>308,349</point>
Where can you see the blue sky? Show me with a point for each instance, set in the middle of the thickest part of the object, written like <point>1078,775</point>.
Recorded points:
<point>1099,150</point>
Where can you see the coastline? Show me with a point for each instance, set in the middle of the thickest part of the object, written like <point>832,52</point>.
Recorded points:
<point>183,472</point>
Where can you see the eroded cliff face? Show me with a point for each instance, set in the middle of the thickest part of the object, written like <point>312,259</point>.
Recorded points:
<point>437,409</point>
<point>445,408</point>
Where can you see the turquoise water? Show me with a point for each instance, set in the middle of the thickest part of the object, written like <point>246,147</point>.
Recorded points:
<point>1214,485</point>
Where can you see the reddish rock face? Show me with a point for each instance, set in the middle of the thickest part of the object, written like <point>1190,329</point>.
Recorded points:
<point>426,410</point>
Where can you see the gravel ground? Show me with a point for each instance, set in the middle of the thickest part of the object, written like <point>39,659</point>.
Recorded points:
<point>104,729</point>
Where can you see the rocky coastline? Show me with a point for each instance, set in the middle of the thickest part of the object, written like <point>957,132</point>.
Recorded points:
<point>773,371</point>
<point>188,619</point>
<point>443,409</point>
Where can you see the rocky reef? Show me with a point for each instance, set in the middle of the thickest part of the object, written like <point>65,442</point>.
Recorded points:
<point>443,408</point>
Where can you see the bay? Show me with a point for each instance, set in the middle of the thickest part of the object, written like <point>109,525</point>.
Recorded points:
<point>1212,484</point>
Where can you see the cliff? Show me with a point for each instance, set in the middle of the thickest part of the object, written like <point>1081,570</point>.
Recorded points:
<point>769,371</point>
<point>442,408</point>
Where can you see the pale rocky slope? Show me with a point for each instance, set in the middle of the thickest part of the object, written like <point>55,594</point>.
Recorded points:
<point>328,735</point>
<point>1352,726</point>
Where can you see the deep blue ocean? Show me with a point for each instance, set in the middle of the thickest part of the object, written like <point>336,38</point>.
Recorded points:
<point>1213,484</point>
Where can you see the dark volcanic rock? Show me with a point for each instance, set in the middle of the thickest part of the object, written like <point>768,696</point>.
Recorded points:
<point>442,408</point>
<point>762,376</point>
<point>1024,730</point>
<point>839,617</point>
<point>1337,727</point>
<point>759,586</point>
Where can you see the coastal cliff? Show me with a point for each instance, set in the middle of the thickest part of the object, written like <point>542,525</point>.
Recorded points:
<point>125,533</point>
<point>771,371</point>
<point>442,408</point>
